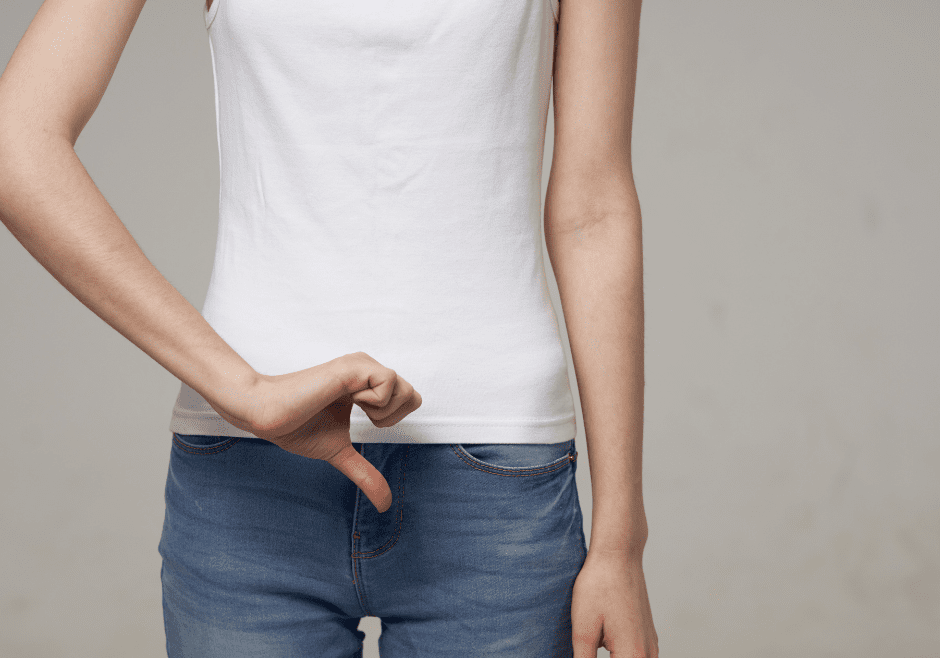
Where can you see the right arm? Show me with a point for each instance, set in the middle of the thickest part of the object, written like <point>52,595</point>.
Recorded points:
<point>48,92</point>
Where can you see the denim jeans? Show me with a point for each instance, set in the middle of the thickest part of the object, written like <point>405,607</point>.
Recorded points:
<point>270,554</point>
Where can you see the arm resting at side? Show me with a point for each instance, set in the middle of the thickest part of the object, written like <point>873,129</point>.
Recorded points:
<point>599,270</point>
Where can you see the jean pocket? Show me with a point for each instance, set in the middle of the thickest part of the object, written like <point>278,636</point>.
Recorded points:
<point>517,458</point>
<point>203,444</point>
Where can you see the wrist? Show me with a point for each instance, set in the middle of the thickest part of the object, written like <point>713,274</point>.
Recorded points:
<point>236,394</point>
<point>612,534</point>
<point>338,371</point>
<point>628,550</point>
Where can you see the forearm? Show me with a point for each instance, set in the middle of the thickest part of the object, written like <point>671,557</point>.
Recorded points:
<point>52,206</point>
<point>599,270</point>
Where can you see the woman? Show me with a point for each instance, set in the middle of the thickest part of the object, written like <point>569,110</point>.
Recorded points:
<point>378,220</point>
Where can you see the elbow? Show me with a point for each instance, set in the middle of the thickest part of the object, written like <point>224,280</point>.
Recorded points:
<point>575,204</point>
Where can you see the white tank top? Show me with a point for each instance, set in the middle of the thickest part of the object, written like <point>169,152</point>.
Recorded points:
<point>381,167</point>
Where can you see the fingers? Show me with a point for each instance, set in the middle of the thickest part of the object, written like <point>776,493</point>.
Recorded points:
<point>403,400</point>
<point>373,382</point>
<point>385,397</point>
<point>364,475</point>
<point>410,404</point>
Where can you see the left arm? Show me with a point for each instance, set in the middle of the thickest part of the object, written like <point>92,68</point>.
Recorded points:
<point>594,241</point>
<point>598,268</point>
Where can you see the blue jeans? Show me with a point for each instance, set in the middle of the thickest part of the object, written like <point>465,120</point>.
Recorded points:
<point>270,554</point>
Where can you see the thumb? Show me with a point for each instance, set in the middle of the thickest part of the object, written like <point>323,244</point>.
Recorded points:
<point>364,475</point>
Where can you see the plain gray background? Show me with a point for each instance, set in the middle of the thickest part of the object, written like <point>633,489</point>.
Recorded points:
<point>786,157</point>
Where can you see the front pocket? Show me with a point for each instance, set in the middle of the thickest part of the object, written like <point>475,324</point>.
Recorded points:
<point>202,444</point>
<point>516,458</point>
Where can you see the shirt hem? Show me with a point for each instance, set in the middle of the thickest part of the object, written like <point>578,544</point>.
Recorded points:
<point>458,430</point>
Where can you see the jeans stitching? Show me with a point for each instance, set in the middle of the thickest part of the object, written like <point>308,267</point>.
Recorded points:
<point>357,554</point>
<point>401,514</point>
<point>507,472</point>
<point>195,450</point>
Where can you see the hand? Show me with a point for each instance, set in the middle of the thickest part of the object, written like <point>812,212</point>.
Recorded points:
<point>307,413</point>
<point>610,608</point>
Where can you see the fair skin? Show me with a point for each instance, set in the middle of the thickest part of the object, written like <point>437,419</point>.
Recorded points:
<point>594,240</point>
<point>50,89</point>
<point>48,92</point>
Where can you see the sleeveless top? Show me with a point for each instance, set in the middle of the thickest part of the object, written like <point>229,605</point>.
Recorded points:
<point>380,168</point>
